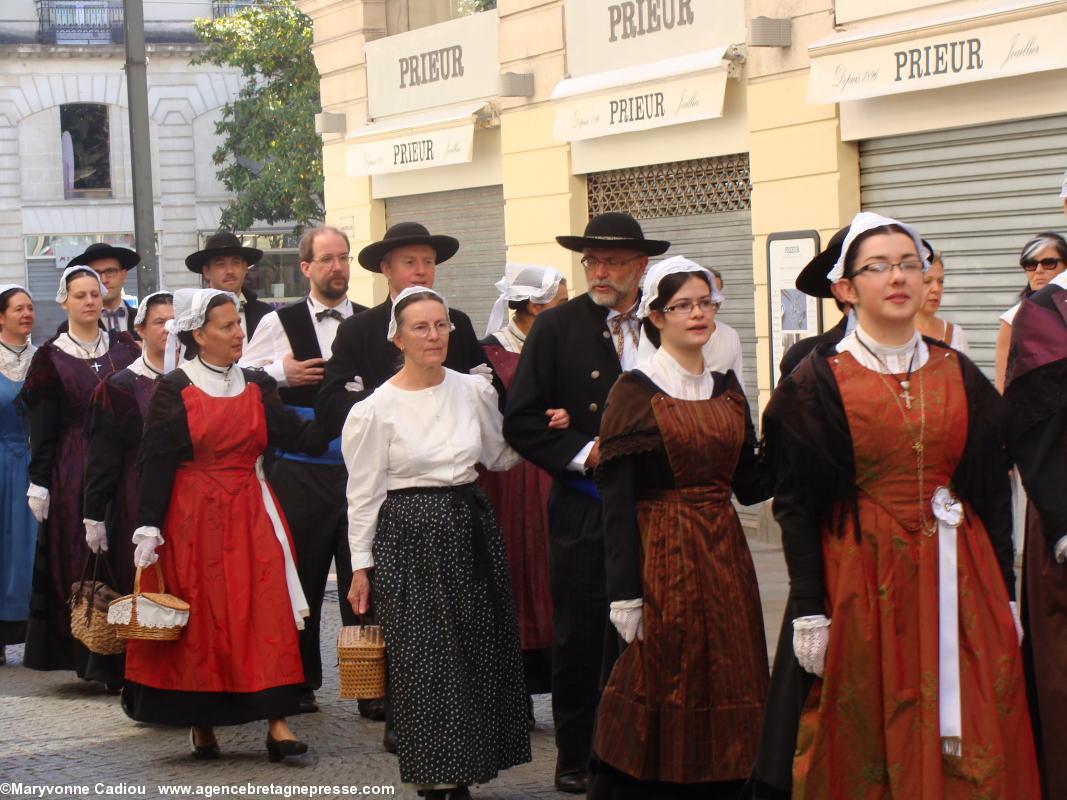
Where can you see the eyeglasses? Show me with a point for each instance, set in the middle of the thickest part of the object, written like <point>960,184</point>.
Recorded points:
<point>1031,264</point>
<point>422,329</point>
<point>109,273</point>
<point>592,262</point>
<point>324,261</point>
<point>880,267</point>
<point>686,306</point>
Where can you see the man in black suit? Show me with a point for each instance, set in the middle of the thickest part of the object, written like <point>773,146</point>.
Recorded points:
<point>291,345</point>
<point>363,359</point>
<point>571,358</point>
<point>223,264</point>
<point>812,281</point>
<point>112,264</point>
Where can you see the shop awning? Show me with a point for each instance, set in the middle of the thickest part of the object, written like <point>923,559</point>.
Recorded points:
<point>996,41</point>
<point>681,89</point>
<point>416,141</point>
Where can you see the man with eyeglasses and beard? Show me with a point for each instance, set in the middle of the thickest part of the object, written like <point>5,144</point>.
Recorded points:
<point>292,345</point>
<point>571,359</point>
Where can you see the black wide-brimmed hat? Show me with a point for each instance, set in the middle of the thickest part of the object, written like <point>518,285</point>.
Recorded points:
<point>222,243</point>
<point>401,235</point>
<point>128,259</point>
<point>614,229</point>
<point>812,279</point>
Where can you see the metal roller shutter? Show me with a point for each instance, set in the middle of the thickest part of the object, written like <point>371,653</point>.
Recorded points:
<point>476,218</point>
<point>977,194</point>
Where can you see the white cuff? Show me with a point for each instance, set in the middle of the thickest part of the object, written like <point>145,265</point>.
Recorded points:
<point>276,369</point>
<point>578,462</point>
<point>811,622</point>
<point>89,522</point>
<point>147,532</point>
<point>1060,550</point>
<point>39,492</point>
<point>362,560</point>
<point>616,605</point>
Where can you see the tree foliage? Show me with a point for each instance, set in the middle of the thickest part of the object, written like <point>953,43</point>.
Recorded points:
<point>474,6</point>
<point>271,157</point>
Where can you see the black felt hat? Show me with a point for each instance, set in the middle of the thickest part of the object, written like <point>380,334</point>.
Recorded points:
<point>812,279</point>
<point>222,243</point>
<point>128,259</point>
<point>614,229</point>
<point>401,235</point>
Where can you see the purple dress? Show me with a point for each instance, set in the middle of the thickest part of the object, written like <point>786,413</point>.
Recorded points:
<point>56,396</point>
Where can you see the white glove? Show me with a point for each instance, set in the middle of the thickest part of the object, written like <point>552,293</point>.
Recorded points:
<point>1017,620</point>
<point>1060,550</point>
<point>38,499</point>
<point>147,540</point>
<point>483,371</point>
<point>354,385</point>
<point>628,618</point>
<point>811,635</point>
<point>95,535</point>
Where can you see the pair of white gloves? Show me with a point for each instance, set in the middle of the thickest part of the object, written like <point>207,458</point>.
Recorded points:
<point>811,637</point>
<point>145,539</point>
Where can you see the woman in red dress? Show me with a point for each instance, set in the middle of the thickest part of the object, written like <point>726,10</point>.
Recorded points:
<point>898,673</point>
<point>211,520</point>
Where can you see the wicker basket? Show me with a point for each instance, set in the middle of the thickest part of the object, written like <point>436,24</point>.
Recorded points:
<point>361,662</point>
<point>135,630</point>
<point>88,614</point>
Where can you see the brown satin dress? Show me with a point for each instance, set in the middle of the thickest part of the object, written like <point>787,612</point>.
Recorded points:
<point>684,704</point>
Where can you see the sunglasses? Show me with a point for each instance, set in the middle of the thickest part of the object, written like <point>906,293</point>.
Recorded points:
<point>1030,264</point>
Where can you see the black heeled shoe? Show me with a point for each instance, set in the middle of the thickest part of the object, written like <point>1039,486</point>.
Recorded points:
<point>277,749</point>
<point>203,752</point>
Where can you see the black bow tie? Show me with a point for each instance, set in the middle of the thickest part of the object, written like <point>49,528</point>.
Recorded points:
<point>333,313</point>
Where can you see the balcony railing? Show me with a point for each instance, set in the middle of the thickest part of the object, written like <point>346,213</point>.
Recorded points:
<point>227,8</point>
<point>79,21</point>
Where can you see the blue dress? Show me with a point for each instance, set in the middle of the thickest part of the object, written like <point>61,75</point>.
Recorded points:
<point>18,528</point>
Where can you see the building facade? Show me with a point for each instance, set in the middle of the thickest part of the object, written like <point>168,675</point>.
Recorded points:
<point>748,152</point>
<point>64,143</point>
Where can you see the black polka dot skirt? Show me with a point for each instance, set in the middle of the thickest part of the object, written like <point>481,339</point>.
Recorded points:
<point>443,596</point>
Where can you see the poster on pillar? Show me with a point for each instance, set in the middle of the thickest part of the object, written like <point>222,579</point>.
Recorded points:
<point>417,150</point>
<point>794,315</point>
<point>637,108</point>
<point>842,69</point>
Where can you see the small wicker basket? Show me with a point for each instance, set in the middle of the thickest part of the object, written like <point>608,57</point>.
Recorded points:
<point>361,662</point>
<point>134,629</point>
<point>88,613</point>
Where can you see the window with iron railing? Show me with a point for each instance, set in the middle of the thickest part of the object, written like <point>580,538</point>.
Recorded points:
<point>80,21</point>
<point>227,8</point>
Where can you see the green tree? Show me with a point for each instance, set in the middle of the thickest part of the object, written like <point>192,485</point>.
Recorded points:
<point>271,157</point>
<point>474,6</point>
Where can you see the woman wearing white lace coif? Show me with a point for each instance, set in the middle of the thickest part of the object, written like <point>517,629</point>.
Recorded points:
<point>62,376</point>
<point>898,671</point>
<point>210,519</point>
<point>441,582</point>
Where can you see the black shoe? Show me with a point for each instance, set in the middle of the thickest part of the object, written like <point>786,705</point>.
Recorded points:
<point>459,793</point>
<point>389,740</point>
<point>203,752</point>
<point>373,710</point>
<point>306,701</point>
<point>574,781</point>
<point>277,749</point>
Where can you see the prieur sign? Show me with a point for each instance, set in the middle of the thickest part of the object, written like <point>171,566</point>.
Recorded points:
<point>641,17</point>
<point>403,153</point>
<point>432,67</point>
<point>848,71</point>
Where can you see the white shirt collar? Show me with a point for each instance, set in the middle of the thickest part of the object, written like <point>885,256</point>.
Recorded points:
<point>1060,280</point>
<point>14,366</point>
<point>677,381</point>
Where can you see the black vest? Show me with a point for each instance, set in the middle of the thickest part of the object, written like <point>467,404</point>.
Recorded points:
<point>300,330</point>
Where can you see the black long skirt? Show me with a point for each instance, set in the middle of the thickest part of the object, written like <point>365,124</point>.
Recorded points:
<point>444,599</point>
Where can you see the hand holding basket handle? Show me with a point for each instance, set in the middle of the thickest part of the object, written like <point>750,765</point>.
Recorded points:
<point>359,594</point>
<point>147,540</point>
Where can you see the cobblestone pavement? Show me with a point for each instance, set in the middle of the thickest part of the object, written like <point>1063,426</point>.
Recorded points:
<point>57,733</point>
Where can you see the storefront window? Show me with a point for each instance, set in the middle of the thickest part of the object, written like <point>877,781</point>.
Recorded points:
<point>276,279</point>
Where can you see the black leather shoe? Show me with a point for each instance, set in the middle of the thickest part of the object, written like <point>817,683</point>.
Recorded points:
<point>373,710</point>
<point>459,793</point>
<point>389,740</point>
<point>306,701</point>
<point>572,781</point>
<point>277,749</point>
<point>203,752</point>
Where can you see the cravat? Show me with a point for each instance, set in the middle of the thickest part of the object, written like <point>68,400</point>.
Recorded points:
<point>332,313</point>
<point>619,332</point>
<point>113,319</point>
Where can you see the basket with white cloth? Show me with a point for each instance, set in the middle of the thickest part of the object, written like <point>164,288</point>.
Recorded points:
<point>154,616</point>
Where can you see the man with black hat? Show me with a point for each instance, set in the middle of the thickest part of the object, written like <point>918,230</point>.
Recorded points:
<point>572,356</point>
<point>363,359</point>
<point>223,264</point>
<point>812,281</point>
<point>112,264</point>
<point>291,345</point>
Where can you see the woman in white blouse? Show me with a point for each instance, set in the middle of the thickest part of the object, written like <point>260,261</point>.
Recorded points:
<point>926,321</point>
<point>441,582</point>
